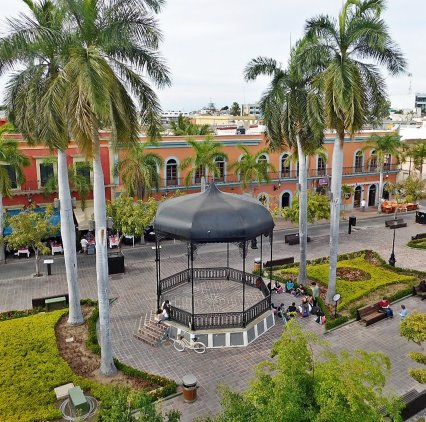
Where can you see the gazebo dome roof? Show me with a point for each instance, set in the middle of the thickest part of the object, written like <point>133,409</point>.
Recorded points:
<point>213,216</point>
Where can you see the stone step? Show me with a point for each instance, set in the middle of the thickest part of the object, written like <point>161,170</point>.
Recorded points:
<point>142,336</point>
<point>150,334</point>
<point>154,324</point>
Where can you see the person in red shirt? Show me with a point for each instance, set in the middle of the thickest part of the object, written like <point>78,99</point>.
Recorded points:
<point>384,307</point>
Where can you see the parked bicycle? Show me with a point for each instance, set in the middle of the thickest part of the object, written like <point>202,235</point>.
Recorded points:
<point>181,343</point>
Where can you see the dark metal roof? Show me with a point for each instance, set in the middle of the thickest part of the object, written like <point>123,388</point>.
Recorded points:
<point>213,216</point>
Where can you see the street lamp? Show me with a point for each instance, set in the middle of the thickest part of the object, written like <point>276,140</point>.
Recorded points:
<point>396,225</point>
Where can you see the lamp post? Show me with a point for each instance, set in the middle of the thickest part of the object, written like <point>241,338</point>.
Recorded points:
<point>392,259</point>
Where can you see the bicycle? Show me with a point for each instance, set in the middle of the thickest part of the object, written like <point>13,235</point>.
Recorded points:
<point>181,343</point>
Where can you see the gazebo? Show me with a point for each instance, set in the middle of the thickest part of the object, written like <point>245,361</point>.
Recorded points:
<point>208,217</point>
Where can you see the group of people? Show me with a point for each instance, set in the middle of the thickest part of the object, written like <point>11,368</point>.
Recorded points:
<point>384,306</point>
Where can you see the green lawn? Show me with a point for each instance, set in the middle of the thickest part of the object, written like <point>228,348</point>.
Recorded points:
<point>354,290</point>
<point>30,368</point>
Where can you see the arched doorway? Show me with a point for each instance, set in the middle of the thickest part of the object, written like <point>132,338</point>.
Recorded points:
<point>372,196</point>
<point>357,197</point>
<point>285,200</point>
<point>385,193</point>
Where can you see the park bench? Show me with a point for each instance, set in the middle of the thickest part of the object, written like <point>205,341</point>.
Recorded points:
<point>40,302</point>
<point>419,236</point>
<point>389,223</point>
<point>276,262</point>
<point>370,314</point>
<point>417,291</point>
<point>55,303</point>
<point>414,403</point>
<point>293,239</point>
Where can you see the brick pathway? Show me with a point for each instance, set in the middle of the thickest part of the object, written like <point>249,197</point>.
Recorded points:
<point>135,293</point>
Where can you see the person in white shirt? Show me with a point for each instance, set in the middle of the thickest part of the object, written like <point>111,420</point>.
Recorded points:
<point>363,204</point>
<point>84,244</point>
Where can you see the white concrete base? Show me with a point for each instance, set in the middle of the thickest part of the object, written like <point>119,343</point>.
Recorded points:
<point>62,391</point>
<point>231,337</point>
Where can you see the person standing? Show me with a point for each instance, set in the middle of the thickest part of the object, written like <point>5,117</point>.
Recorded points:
<point>404,312</point>
<point>363,204</point>
<point>84,244</point>
<point>315,293</point>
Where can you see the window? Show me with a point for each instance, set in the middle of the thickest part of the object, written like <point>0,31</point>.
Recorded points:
<point>46,172</point>
<point>262,159</point>
<point>321,169</point>
<point>220,164</point>
<point>12,176</point>
<point>285,166</point>
<point>387,162</point>
<point>359,158</point>
<point>373,161</point>
<point>171,173</point>
<point>285,200</point>
<point>198,174</point>
<point>82,168</point>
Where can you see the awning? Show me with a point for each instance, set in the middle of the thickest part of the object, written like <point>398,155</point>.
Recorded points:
<point>55,219</point>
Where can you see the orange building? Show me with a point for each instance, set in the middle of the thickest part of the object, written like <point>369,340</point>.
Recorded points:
<point>359,170</point>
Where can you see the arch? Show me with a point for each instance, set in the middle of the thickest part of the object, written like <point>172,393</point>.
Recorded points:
<point>285,168</point>
<point>286,199</point>
<point>372,162</point>
<point>321,166</point>
<point>221,164</point>
<point>171,172</point>
<point>357,196</point>
<point>358,161</point>
<point>263,157</point>
<point>372,194</point>
<point>263,198</point>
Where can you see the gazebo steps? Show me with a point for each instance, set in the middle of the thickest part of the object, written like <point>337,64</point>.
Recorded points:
<point>151,332</point>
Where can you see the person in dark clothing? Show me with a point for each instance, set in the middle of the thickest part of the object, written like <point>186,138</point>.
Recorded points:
<point>292,310</point>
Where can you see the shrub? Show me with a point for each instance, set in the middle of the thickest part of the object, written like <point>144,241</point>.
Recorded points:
<point>419,374</point>
<point>418,357</point>
<point>418,244</point>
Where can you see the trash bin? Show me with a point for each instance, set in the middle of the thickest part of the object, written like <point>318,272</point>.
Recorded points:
<point>257,265</point>
<point>352,221</point>
<point>189,383</point>
<point>115,263</point>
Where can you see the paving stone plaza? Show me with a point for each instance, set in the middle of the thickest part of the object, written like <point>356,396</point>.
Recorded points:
<point>136,295</point>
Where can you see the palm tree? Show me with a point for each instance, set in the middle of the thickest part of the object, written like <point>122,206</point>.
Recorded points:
<point>384,147</point>
<point>252,167</point>
<point>37,43</point>
<point>353,89</point>
<point>113,44</point>
<point>418,153</point>
<point>204,160</point>
<point>139,171</point>
<point>184,126</point>
<point>291,111</point>
<point>12,162</point>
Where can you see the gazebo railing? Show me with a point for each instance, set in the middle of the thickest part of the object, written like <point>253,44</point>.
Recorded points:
<point>218,320</point>
<point>219,273</point>
<point>258,309</point>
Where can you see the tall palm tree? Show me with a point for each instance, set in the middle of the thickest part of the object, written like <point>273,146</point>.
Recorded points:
<point>291,111</point>
<point>113,44</point>
<point>203,160</point>
<point>139,171</point>
<point>383,147</point>
<point>34,48</point>
<point>183,126</point>
<point>12,162</point>
<point>252,167</point>
<point>352,48</point>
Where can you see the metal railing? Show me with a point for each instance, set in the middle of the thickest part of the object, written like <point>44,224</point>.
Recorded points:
<point>216,319</point>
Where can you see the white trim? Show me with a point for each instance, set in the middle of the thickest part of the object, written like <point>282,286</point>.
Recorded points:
<point>166,160</point>
<point>42,161</point>
<point>266,156</point>
<point>281,163</point>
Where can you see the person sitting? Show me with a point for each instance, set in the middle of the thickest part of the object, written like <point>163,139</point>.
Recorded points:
<point>166,310</point>
<point>259,282</point>
<point>292,310</point>
<point>304,308</point>
<point>281,311</point>
<point>404,312</point>
<point>289,286</point>
<point>300,290</point>
<point>270,288</point>
<point>159,316</point>
<point>275,308</point>
<point>384,307</point>
<point>278,287</point>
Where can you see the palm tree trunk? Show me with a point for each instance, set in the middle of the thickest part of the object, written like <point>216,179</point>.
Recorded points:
<point>2,254</point>
<point>107,364</point>
<point>75,316</point>
<point>336,187</point>
<point>303,211</point>
<point>379,205</point>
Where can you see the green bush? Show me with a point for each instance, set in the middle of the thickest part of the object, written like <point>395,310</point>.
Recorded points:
<point>419,374</point>
<point>418,244</point>
<point>418,357</point>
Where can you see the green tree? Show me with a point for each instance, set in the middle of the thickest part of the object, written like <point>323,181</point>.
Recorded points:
<point>410,189</point>
<point>235,109</point>
<point>35,47</point>
<point>131,217</point>
<point>32,229</point>
<point>12,162</point>
<point>298,386</point>
<point>348,52</point>
<point>252,167</point>
<point>184,126</point>
<point>418,154</point>
<point>139,171</point>
<point>384,147</point>
<point>292,116</point>
<point>203,159</point>
<point>413,328</point>
<point>113,49</point>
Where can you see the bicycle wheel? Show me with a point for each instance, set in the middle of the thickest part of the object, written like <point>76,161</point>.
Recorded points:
<point>199,347</point>
<point>178,345</point>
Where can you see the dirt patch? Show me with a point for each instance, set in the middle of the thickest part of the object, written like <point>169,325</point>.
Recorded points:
<point>352,274</point>
<point>86,363</point>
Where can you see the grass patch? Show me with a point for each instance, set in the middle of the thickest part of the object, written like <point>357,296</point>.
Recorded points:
<point>417,244</point>
<point>31,367</point>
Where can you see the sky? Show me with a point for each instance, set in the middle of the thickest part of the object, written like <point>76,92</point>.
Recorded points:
<point>208,43</point>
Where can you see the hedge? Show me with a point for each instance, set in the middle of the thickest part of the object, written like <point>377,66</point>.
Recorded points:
<point>168,386</point>
<point>417,244</point>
